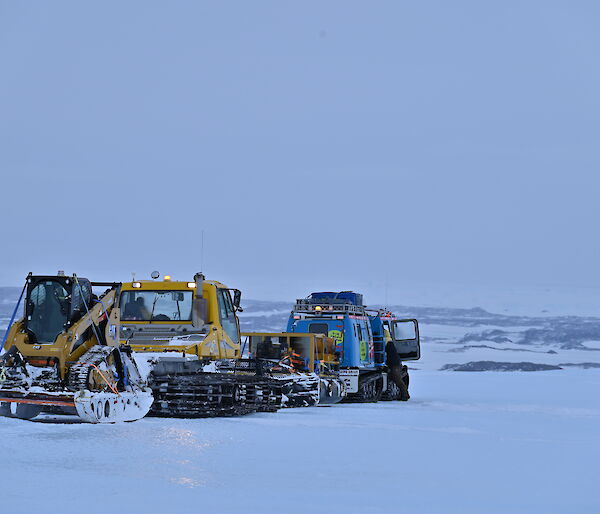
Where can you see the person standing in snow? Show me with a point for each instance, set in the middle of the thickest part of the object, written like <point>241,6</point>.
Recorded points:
<point>394,364</point>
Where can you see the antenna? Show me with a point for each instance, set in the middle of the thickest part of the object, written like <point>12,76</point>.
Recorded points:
<point>202,251</point>
<point>386,288</point>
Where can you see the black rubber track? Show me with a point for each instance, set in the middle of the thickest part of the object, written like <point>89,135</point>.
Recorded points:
<point>202,395</point>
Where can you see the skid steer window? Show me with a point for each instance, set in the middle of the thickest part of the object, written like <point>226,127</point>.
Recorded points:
<point>48,311</point>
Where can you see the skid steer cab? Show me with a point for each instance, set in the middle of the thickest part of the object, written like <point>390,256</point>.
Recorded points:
<point>62,320</point>
<point>62,356</point>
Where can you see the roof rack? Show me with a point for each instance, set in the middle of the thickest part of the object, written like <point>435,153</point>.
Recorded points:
<point>327,306</point>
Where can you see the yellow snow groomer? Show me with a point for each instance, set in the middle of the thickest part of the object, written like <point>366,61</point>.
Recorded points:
<point>186,340</point>
<point>64,355</point>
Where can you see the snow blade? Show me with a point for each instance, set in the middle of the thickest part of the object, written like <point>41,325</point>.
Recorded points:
<point>106,407</point>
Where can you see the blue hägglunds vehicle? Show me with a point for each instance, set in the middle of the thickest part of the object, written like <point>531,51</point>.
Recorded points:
<point>369,342</point>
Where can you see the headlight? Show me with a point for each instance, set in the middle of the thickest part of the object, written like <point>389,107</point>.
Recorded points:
<point>137,285</point>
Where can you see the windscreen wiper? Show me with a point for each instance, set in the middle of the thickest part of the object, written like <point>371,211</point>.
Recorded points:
<point>153,304</point>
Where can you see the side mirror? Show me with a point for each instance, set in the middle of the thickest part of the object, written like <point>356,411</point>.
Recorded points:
<point>237,298</point>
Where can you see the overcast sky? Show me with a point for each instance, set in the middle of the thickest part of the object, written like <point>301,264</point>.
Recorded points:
<point>319,145</point>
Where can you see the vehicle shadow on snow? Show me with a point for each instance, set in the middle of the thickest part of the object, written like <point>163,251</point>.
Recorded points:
<point>58,420</point>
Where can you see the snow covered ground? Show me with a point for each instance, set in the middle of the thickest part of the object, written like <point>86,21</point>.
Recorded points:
<point>467,442</point>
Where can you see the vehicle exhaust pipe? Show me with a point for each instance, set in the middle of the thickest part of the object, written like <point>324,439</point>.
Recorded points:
<point>199,307</point>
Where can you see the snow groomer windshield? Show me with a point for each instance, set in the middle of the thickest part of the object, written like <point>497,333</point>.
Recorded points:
<point>156,305</point>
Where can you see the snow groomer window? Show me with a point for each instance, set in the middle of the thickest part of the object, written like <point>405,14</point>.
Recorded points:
<point>156,306</point>
<point>227,313</point>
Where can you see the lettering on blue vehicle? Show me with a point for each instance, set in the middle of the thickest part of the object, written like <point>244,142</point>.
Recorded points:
<point>338,337</point>
<point>363,350</point>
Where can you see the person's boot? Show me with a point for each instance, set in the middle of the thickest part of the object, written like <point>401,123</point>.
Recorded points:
<point>396,376</point>
<point>404,396</point>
